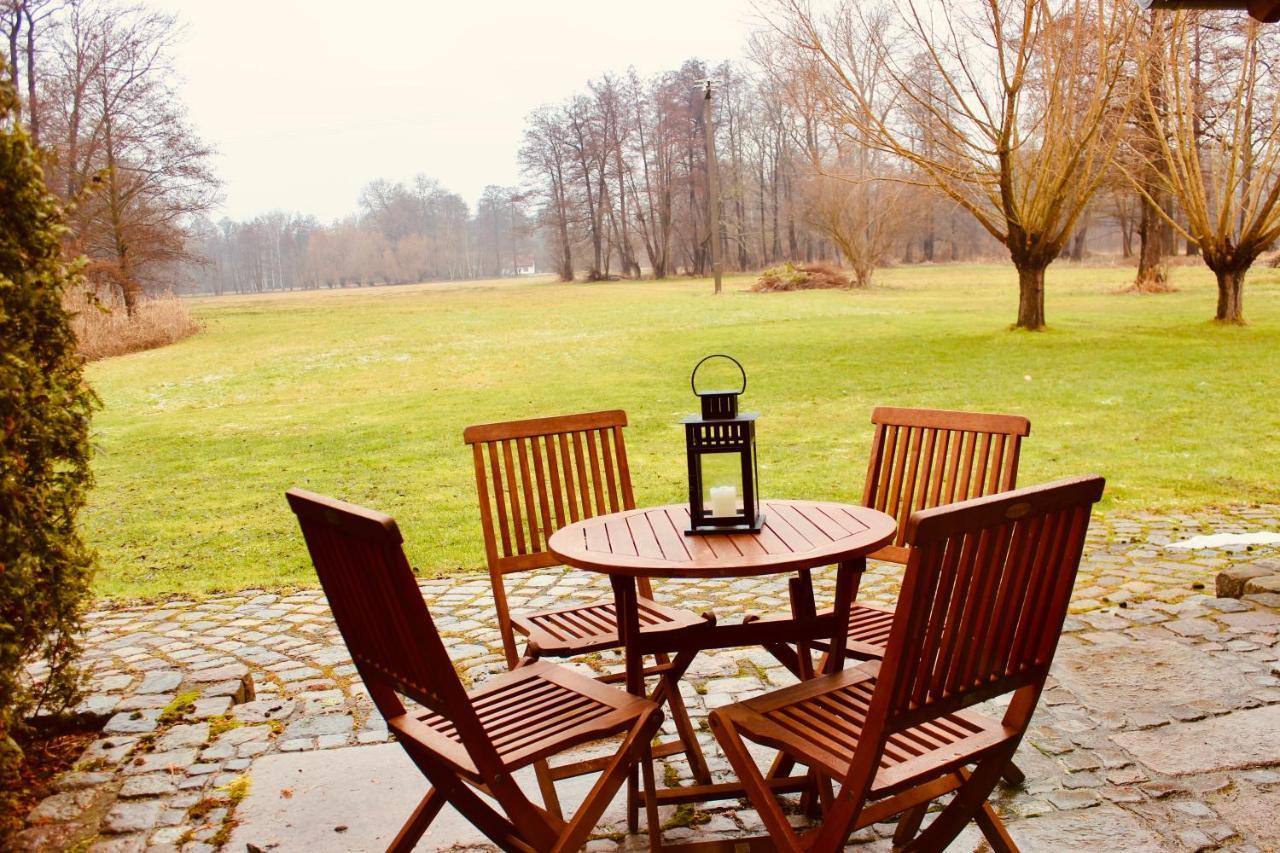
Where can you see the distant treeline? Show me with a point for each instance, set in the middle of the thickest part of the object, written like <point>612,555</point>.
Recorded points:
<point>404,233</point>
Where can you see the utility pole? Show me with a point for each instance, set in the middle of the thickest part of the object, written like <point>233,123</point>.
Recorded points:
<point>713,184</point>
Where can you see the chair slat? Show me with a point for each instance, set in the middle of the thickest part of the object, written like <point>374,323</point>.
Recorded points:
<point>913,468</point>
<point>888,446</point>
<point>567,471</point>
<point>540,479</point>
<point>513,499</point>
<point>499,492</point>
<point>624,470</point>
<point>580,468</point>
<point>953,471</point>
<point>995,469</point>
<point>526,482</point>
<point>611,481</point>
<point>554,475</point>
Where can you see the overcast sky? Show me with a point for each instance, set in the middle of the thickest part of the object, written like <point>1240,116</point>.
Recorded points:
<point>308,101</point>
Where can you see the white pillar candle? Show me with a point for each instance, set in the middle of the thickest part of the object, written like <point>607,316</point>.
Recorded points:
<point>724,501</point>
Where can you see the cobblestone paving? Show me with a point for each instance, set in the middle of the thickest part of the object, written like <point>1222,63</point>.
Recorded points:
<point>1161,728</point>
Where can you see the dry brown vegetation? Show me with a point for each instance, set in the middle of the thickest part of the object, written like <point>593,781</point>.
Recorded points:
<point>801,277</point>
<point>103,328</point>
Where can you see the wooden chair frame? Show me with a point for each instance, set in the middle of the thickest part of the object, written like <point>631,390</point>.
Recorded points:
<point>985,594</point>
<point>533,477</point>
<point>463,742</point>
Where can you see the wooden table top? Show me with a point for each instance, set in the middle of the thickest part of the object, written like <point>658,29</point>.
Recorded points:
<point>651,542</point>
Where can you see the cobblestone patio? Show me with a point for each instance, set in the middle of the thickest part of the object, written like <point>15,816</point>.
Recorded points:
<point>1160,731</point>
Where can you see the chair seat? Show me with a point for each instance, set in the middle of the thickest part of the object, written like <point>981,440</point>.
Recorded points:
<point>868,634</point>
<point>528,713</point>
<point>593,627</point>
<point>869,626</point>
<point>819,723</point>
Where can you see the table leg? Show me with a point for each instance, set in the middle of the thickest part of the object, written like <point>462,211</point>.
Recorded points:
<point>803,611</point>
<point>628,615</point>
<point>848,577</point>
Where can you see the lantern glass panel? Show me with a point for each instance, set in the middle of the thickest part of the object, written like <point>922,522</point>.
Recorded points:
<point>722,492</point>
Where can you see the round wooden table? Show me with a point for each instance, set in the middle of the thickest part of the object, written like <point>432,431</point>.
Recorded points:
<point>797,537</point>
<point>652,542</point>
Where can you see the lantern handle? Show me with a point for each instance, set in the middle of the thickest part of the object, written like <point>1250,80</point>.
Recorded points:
<point>693,377</point>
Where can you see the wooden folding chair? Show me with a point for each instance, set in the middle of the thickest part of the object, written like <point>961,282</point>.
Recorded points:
<point>462,740</point>
<point>532,478</point>
<point>920,459</point>
<point>983,600</point>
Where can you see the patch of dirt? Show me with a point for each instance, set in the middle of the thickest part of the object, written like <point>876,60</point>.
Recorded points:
<point>1156,282</point>
<point>790,276</point>
<point>48,752</point>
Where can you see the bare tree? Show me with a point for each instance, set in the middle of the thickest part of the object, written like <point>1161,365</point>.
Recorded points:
<point>651,181</point>
<point>123,147</point>
<point>546,158</point>
<point>1027,118</point>
<point>19,21</point>
<point>1215,143</point>
<point>864,216</point>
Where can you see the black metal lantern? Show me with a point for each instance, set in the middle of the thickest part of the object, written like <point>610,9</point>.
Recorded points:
<point>721,446</point>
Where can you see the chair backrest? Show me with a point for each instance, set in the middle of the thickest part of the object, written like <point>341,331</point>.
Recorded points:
<point>538,475</point>
<point>984,597</point>
<point>923,458</point>
<point>359,558</point>
<point>535,476</point>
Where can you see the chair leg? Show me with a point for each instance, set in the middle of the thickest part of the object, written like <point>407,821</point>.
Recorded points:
<point>477,812</point>
<point>633,800</point>
<point>994,829</point>
<point>782,765</point>
<point>425,812</point>
<point>909,825</point>
<point>967,803</point>
<point>1013,775</point>
<point>650,801</point>
<point>753,782</point>
<point>684,727</point>
<point>547,787</point>
<point>634,748</point>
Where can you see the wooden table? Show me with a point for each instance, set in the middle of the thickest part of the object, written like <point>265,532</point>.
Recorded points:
<point>797,537</point>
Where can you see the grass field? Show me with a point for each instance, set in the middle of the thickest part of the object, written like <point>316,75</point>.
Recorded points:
<point>364,395</point>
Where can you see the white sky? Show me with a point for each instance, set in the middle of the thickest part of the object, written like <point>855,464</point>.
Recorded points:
<point>308,101</point>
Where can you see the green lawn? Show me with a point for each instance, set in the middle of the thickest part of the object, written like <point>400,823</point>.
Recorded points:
<point>364,395</point>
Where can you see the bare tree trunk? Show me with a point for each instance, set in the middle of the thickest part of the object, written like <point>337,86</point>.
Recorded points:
<point>1230,296</point>
<point>1079,239</point>
<point>33,117</point>
<point>1030,297</point>
<point>743,262</point>
<point>130,289</point>
<point>1152,276</point>
<point>14,31</point>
